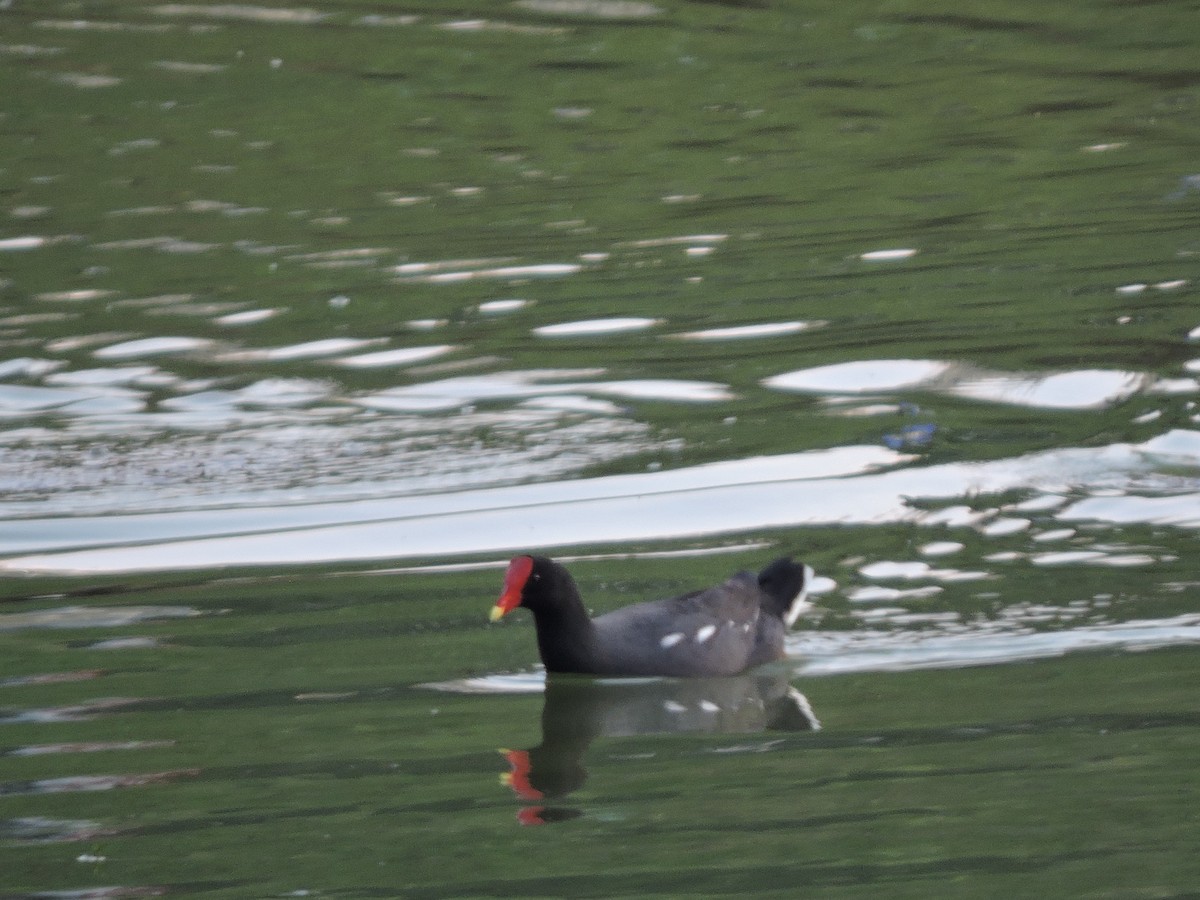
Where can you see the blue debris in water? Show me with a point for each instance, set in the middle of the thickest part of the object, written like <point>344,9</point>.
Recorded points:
<point>916,435</point>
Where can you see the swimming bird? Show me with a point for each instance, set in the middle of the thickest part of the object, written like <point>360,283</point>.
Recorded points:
<point>722,630</point>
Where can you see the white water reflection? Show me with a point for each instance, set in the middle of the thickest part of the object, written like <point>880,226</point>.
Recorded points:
<point>1092,389</point>
<point>411,272</point>
<point>155,346</point>
<point>1181,510</point>
<point>866,376</point>
<point>612,10</point>
<point>567,498</point>
<point>1011,639</point>
<point>1092,557</point>
<point>26,367</point>
<point>743,332</point>
<point>241,11</point>
<point>24,242</point>
<point>907,571</point>
<point>841,486</point>
<point>305,350</point>
<point>940,548</point>
<point>1085,389</point>
<point>889,255</point>
<point>113,375</point>
<point>21,400</point>
<point>455,393</point>
<point>247,317</point>
<point>44,830</point>
<point>401,356</point>
<point>500,307</point>
<point>92,616</point>
<point>614,325</point>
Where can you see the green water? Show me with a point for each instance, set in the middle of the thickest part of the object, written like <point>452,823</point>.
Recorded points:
<point>243,638</point>
<point>298,755</point>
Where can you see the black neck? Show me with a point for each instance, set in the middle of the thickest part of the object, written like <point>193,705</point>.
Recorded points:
<point>565,634</point>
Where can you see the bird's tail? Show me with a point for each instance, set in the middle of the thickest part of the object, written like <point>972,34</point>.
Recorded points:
<point>785,583</point>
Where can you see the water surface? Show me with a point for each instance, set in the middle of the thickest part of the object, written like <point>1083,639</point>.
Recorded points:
<point>313,315</point>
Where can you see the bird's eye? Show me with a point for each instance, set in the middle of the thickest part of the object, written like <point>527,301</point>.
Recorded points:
<point>537,577</point>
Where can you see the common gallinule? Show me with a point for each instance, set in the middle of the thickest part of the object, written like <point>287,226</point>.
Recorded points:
<point>722,630</point>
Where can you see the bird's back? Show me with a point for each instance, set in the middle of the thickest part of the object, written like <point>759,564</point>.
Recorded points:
<point>710,632</point>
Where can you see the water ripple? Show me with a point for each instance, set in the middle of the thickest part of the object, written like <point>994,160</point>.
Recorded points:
<point>720,498</point>
<point>1085,389</point>
<point>870,650</point>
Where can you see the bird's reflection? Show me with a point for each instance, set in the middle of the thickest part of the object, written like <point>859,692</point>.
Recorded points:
<point>579,709</point>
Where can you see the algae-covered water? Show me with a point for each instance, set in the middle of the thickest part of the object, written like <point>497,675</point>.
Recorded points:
<point>312,315</point>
